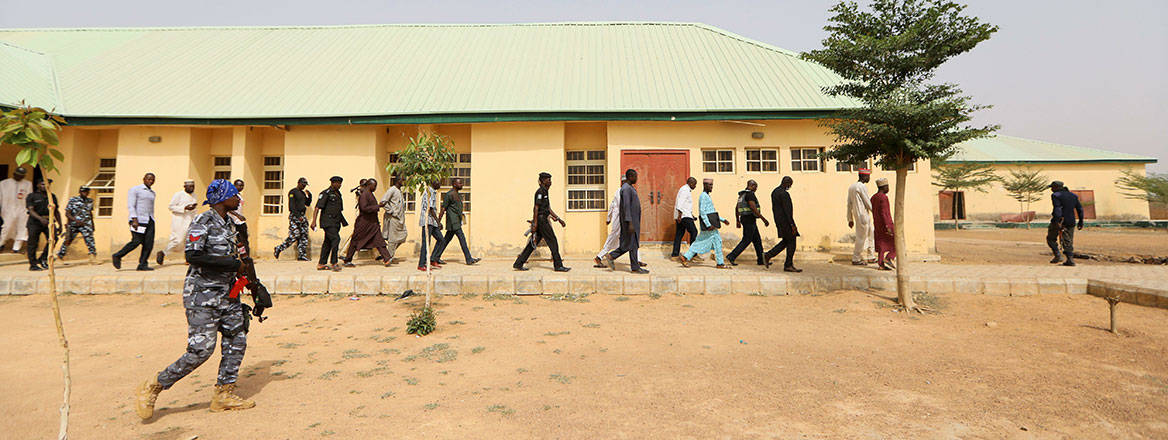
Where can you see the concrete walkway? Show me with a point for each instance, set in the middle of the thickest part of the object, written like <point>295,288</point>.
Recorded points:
<point>495,276</point>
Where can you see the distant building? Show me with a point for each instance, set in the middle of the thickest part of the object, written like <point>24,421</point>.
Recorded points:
<point>583,101</point>
<point>1088,172</point>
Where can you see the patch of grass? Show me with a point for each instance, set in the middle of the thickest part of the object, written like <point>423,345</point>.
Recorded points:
<point>688,306</point>
<point>468,295</point>
<point>622,298</point>
<point>437,353</point>
<point>934,303</point>
<point>840,310</point>
<point>389,351</point>
<point>314,425</point>
<point>354,354</point>
<point>654,295</point>
<point>756,294</point>
<point>497,296</point>
<point>387,394</point>
<point>422,322</point>
<point>330,374</point>
<point>591,325</point>
<point>326,433</point>
<point>561,378</point>
<point>374,372</point>
<point>431,406</point>
<point>410,380</point>
<point>520,370</point>
<point>501,409</point>
<point>289,345</point>
<point>383,339</point>
<point>478,349</point>
<point>569,297</point>
<point>557,333</point>
<point>456,322</point>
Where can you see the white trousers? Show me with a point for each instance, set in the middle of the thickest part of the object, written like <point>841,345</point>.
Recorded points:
<point>15,228</point>
<point>178,236</point>
<point>865,246</point>
<point>612,242</point>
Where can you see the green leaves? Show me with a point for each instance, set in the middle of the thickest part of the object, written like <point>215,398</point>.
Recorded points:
<point>1025,185</point>
<point>427,158</point>
<point>34,131</point>
<point>965,176</point>
<point>1152,187</point>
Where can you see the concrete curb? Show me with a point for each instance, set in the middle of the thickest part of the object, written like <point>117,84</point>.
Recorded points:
<point>1132,293</point>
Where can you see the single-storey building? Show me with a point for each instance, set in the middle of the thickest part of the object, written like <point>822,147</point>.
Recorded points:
<point>1088,172</point>
<point>583,101</point>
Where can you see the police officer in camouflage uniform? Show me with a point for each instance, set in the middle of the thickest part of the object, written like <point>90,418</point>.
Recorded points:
<point>213,255</point>
<point>79,211</point>
<point>298,202</point>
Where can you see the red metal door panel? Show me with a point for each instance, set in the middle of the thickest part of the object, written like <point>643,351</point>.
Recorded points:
<point>1087,199</point>
<point>946,198</point>
<point>659,173</point>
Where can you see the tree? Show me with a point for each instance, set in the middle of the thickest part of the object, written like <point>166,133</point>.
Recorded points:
<point>34,131</point>
<point>965,176</point>
<point>427,158</point>
<point>1153,187</point>
<point>886,57</point>
<point>1026,186</point>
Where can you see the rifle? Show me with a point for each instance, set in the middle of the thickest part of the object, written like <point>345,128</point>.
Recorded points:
<point>259,293</point>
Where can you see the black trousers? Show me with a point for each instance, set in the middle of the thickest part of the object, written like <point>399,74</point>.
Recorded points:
<point>331,245</point>
<point>449,237</point>
<point>543,231</point>
<point>749,236</point>
<point>630,242</point>
<point>435,232</point>
<point>786,242</point>
<point>686,225</point>
<point>1057,234</point>
<point>35,230</point>
<point>146,239</point>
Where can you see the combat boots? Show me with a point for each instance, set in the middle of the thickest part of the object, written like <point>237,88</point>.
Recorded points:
<point>226,400</point>
<point>147,394</point>
<point>92,259</point>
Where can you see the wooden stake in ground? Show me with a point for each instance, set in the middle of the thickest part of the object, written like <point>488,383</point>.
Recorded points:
<point>1112,304</point>
<point>903,292</point>
<point>63,432</point>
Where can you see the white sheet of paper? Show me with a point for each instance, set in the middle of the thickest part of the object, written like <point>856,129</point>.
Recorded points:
<point>139,229</point>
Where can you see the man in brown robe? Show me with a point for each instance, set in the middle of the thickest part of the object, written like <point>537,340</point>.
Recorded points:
<point>366,229</point>
<point>885,236</point>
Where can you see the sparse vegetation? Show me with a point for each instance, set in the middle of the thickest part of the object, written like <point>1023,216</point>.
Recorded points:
<point>501,409</point>
<point>561,378</point>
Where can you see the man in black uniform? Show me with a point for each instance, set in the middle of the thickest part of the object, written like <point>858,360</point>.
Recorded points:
<point>746,212</point>
<point>38,224</point>
<point>784,213</point>
<point>298,202</point>
<point>541,227</point>
<point>329,201</point>
<point>1062,222</point>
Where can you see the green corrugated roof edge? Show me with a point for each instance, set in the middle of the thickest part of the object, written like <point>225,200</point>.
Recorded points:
<point>1018,145</point>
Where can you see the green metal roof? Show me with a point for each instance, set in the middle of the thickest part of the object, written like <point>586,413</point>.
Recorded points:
<point>1009,149</point>
<point>388,70</point>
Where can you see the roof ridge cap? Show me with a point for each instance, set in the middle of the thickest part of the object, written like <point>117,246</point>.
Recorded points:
<point>23,48</point>
<point>355,26</point>
<point>743,39</point>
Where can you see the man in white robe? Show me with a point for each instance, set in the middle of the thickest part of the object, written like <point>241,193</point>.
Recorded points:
<point>860,218</point>
<point>182,213</point>
<point>613,222</point>
<point>13,190</point>
<point>393,226</point>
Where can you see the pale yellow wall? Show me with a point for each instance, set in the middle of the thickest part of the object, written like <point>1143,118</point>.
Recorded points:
<point>168,159</point>
<point>1110,204</point>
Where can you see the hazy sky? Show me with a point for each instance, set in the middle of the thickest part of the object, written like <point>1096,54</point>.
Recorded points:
<point>1081,72</point>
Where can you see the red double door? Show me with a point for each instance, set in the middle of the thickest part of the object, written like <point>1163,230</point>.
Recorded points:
<point>660,173</point>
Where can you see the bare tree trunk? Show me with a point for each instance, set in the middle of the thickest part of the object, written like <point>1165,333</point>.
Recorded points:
<point>903,292</point>
<point>63,430</point>
<point>426,261</point>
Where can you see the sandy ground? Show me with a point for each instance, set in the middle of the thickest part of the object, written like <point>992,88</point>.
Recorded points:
<point>1022,246</point>
<point>843,365</point>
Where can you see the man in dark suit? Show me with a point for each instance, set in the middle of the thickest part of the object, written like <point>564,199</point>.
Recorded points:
<point>1062,222</point>
<point>785,222</point>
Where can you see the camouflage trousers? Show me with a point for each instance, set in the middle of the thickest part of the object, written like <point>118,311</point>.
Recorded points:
<point>297,233</point>
<point>71,232</point>
<point>202,324</point>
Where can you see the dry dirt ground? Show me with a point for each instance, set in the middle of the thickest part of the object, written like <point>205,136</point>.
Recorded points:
<point>842,365</point>
<point>1022,246</point>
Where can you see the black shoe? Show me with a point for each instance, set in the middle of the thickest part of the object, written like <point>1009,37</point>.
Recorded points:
<point>34,268</point>
<point>1069,263</point>
<point>792,269</point>
<point>473,261</point>
<point>158,259</point>
<point>1056,260</point>
<point>144,268</point>
<point>732,263</point>
<point>117,261</point>
<point>443,262</point>
<point>563,269</point>
<point>276,252</point>
<point>640,270</point>
<point>349,264</point>
<point>520,268</point>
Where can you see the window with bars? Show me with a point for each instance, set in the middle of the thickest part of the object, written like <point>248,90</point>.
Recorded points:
<point>102,185</point>
<point>762,160</point>
<point>911,167</point>
<point>221,167</point>
<point>807,159</point>
<point>850,167</point>
<point>462,170</point>
<point>273,198</point>
<point>718,161</point>
<point>410,196</point>
<point>586,179</point>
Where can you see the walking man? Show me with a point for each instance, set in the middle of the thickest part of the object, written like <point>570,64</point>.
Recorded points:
<point>366,229</point>
<point>298,202</point>
<point>683,215</point>
<point>747,213</point>
<point>709,240</point>
<point>1062,222</point>
<point>141,205</point>
<point>541,228</point>
<point>613,222</point>
<point>784,213</point>
<point>329,201</point>
<point>860,217</point>
<point>214,260</point>
<point>428,220</point>
<point>79,212</point>
<point>884,236</point>
<point>240,221</point>
<point>393,228</point>
<point>13,190</point>
<point>37,204</point>
<point>182,213</point>
<point>630,234</point>
<point>452,209</point>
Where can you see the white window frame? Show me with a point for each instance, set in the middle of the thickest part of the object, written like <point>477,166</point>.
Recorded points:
<point>818,160</point>
<point>851,168</point>
<point>275,193</point>
<point>461,169</point>
<point>593,191</point>
<point>761,161</point>
<point>719,160</point>
<point>216,168</point>
<point>103,189</point>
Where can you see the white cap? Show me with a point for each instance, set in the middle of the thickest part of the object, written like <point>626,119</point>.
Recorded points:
<point>881,182</point>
